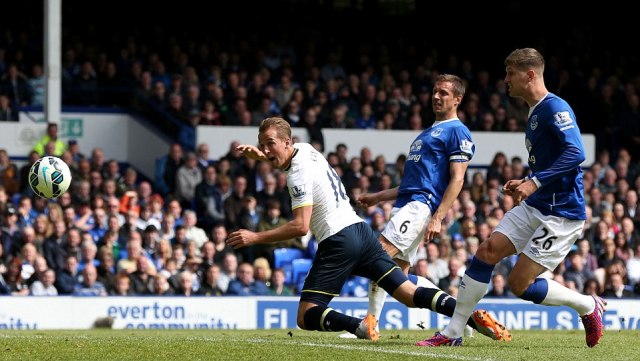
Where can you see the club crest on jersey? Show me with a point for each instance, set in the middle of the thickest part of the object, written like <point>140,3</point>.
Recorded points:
<point>534,122</point>
<point>298,191</point>
<point>416,146</point>
<point>436,132</point>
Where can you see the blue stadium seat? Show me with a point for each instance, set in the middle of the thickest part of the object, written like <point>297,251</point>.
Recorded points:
<point>299,270</point>
<point>356,286</point>
<point>282,258</point>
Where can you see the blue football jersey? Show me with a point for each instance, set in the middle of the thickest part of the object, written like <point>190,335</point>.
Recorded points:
<point>426,171</point>
<point>555,153</point>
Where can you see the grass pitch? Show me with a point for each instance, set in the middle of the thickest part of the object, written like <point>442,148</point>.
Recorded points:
<point>299,345</point>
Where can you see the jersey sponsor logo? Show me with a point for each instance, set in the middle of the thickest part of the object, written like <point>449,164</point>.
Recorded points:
<point>298,191</point>
<point>416,146</point>
<point>436,132</point>
<point>527,144</point>
<point>414,157</point>
<point>563,119</point>
<point>533,123</point>
<point>466,146</point>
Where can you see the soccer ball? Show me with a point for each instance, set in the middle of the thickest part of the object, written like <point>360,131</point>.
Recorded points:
<point>49,177</point>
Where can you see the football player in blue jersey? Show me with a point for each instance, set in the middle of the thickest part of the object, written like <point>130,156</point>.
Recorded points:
<point>549,215</point>
<point>434,174</point>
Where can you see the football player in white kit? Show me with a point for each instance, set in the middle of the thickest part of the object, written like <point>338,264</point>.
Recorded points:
<point>346,244</point>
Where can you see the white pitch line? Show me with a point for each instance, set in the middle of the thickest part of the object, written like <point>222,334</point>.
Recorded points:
<point>373,349</point>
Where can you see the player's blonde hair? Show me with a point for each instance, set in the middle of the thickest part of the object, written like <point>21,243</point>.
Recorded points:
<point>282,127</point>
<point>524,59</point>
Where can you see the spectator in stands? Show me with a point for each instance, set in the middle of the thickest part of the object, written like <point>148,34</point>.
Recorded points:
<point>44,286</point>
<point>209,115</point>
<point>262,270</point>
<point>233,205</point>
<point>174,208</point>
<point>208,200</point>
<point>166,180</point>
<point>456,271</point>
<point>245,284</point>
<point>616,287</point>
<point>16,87</point>
<point>161,286</point>
<point>608,253</point>
<point>592,287</point>
<point>24,188</point>
<point>167,227</point>
<point>142,277</point>
<point>129,181</point>
<point>85,86</point>
<point>575,270</point>
<point>162,254</point>
<point>134,250</point>
<point>272,219</point>
<point>188,177</point>
<point>218,238</point>
<point>37,84</point>
<point>438,268</point>
<point>499,287</point>
<point>180,238</point>
<point>122,286</point>
<point>192,231</point>
<point>185,286</point>
<point>50,136</point>
<point>229,271</point>
<point>106,267</point>
<point>251,214</point>
<point>8,173</point>
<point>89,285</point>
<point>277,287</point>
<point>88,251</point>
<point>589,260</point>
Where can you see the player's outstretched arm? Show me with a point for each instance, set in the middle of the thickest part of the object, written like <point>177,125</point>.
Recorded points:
<point>370,199</point>
<point>297,227</point>
<point>251,151</point>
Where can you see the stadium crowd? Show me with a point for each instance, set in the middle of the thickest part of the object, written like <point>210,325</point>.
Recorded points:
<point>115,233</point>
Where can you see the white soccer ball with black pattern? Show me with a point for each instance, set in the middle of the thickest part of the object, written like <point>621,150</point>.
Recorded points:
<point>49,177</point>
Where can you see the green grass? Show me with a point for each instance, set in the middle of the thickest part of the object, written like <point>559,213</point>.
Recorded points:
<point>304,345</point>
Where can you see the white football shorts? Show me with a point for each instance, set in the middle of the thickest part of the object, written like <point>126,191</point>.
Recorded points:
<point>405,229</point>
<point>545,239</point>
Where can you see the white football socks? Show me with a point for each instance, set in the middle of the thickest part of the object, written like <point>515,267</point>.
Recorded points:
<point>559,295</point>
<point>471,292</point>
<point>377,296</point>
<point>425,282</point>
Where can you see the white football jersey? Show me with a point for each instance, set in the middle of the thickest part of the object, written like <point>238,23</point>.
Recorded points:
<point>312,182</point>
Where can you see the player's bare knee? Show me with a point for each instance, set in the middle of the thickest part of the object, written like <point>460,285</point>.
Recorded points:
<point>302,310</point>
<point>487,253</point>
<point>300,321</point>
